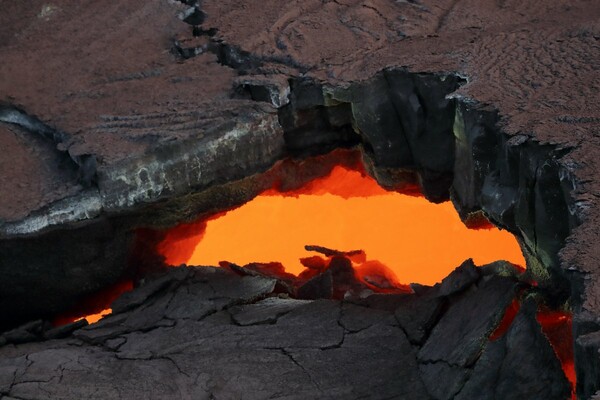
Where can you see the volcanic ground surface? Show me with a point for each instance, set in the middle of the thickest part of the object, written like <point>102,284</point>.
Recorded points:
<point>119,116</point>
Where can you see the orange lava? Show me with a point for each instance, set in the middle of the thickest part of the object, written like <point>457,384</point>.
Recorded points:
<point>346,210</point>
<point>91,318</point>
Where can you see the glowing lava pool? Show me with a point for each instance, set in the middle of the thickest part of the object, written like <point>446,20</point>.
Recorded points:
<point>347,210</point>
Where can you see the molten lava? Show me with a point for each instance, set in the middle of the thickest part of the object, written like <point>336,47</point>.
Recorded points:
<point>558,328</point>
<point>91,318</point>
<point>419,241</point>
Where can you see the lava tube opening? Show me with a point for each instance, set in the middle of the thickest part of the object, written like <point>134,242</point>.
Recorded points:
<point>419,241</point>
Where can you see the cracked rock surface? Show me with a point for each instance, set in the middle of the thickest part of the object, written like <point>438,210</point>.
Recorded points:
<point>203,333</point>
<point>140,114</point>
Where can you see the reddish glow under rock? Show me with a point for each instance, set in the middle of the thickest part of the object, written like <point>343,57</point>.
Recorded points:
<point>346,210</point>
<point>96,306</point>
<point>509,315</point>
<point>558,328</point>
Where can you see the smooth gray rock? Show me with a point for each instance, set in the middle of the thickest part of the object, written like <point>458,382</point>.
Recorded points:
<point>203,333</point>
<point>234,347</point>
<point>356,318</point>
<point>60,332</point>
<point>587,351</point>
<point>137,297</point>
<point>375,363</point>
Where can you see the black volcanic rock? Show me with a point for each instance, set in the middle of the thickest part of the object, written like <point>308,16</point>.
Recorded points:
<point>507,371</point>
<point>318,287</point>
<point>203,331</point>
<point>220,346</point>
<point>460,334</point>
<point>417,315</point>
<point>120,127</point>
<point>443,381</point>
<point>415,109</point>
<point>458,280</point>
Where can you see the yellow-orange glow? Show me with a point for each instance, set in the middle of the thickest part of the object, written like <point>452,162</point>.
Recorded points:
<point>420,241</point>
<point>97,317</point>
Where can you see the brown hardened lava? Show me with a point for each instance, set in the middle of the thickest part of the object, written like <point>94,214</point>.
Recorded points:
<point>299,199</point>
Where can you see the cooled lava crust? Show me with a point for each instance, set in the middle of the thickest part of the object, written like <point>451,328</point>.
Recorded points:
<point>115,116</point>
